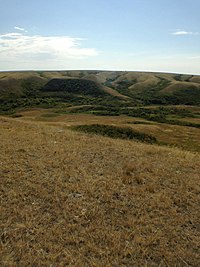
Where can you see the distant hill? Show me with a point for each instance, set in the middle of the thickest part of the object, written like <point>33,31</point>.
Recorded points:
<point>74,86</point>
<point>22,89</point>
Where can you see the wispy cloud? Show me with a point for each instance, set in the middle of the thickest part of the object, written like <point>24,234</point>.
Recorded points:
<point>183,32</point>
<point>21,47</point>
<point>194,57</point>
<point>20,29</point>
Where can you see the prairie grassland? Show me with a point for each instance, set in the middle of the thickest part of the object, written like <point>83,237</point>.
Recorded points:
<point>72,199</point>
<point>181,136</point>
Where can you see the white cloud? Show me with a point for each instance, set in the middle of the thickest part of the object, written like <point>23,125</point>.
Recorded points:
<point>17,49</point>
<point>20,29</point>
<point>182,32</point>
<point>194,57</point>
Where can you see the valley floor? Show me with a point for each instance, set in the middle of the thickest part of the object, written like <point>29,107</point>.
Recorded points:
<point>74,199</point>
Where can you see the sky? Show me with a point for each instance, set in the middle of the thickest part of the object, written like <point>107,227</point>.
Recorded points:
<point>130,35</point>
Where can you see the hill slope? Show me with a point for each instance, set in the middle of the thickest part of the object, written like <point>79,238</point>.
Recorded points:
<point>72,199</point>
<point>27,88</point>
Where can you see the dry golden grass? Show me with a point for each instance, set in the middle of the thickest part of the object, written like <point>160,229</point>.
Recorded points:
<point>17,75</point>
<point>178,86</point>
<point>141,85</point>
<point>71,199</point>
<point>181,136</point>
<point>174,135</point>
<point>113,92</point>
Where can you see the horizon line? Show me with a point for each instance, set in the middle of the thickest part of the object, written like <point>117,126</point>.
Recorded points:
<point>100,70</point>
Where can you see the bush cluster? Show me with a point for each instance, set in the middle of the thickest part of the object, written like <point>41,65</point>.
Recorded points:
<point>116,132</point>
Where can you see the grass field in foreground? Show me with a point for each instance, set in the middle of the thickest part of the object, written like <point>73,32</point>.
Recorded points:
<point>73,199</point>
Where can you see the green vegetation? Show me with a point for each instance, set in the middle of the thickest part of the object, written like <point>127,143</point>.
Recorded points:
<point>54,94</point>
<point>139,122</point>
<point>116,132</point>
<point>74,86</point>
<point>121,87</point>
<point>43,90</point>
<point>150,94</point>
<point>189,96</point>
<point>79,90</point>
<point>9,107</point>
<point>159,114</point>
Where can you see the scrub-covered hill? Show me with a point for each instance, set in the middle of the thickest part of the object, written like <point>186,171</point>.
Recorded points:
<point>28,89</point>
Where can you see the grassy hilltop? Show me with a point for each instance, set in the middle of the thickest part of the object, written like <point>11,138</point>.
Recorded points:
<point>99,168</point>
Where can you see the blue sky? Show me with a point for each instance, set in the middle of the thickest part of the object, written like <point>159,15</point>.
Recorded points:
<point>138,35</point>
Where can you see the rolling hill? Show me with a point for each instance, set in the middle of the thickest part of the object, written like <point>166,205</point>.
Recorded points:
<point>93,87</point>
<point>150,98</point>
<point>99,168</point>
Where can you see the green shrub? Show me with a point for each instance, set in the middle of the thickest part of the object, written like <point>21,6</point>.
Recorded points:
<point>115,132</point>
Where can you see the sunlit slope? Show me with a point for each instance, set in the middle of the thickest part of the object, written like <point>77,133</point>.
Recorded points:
<point>143,87</point>
<point>73,199</point>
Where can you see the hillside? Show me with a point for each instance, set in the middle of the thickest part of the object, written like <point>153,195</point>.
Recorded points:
<point>160,104</point>
<point>121,88</point>
<point>99,168</point>
<point>76,199</point>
